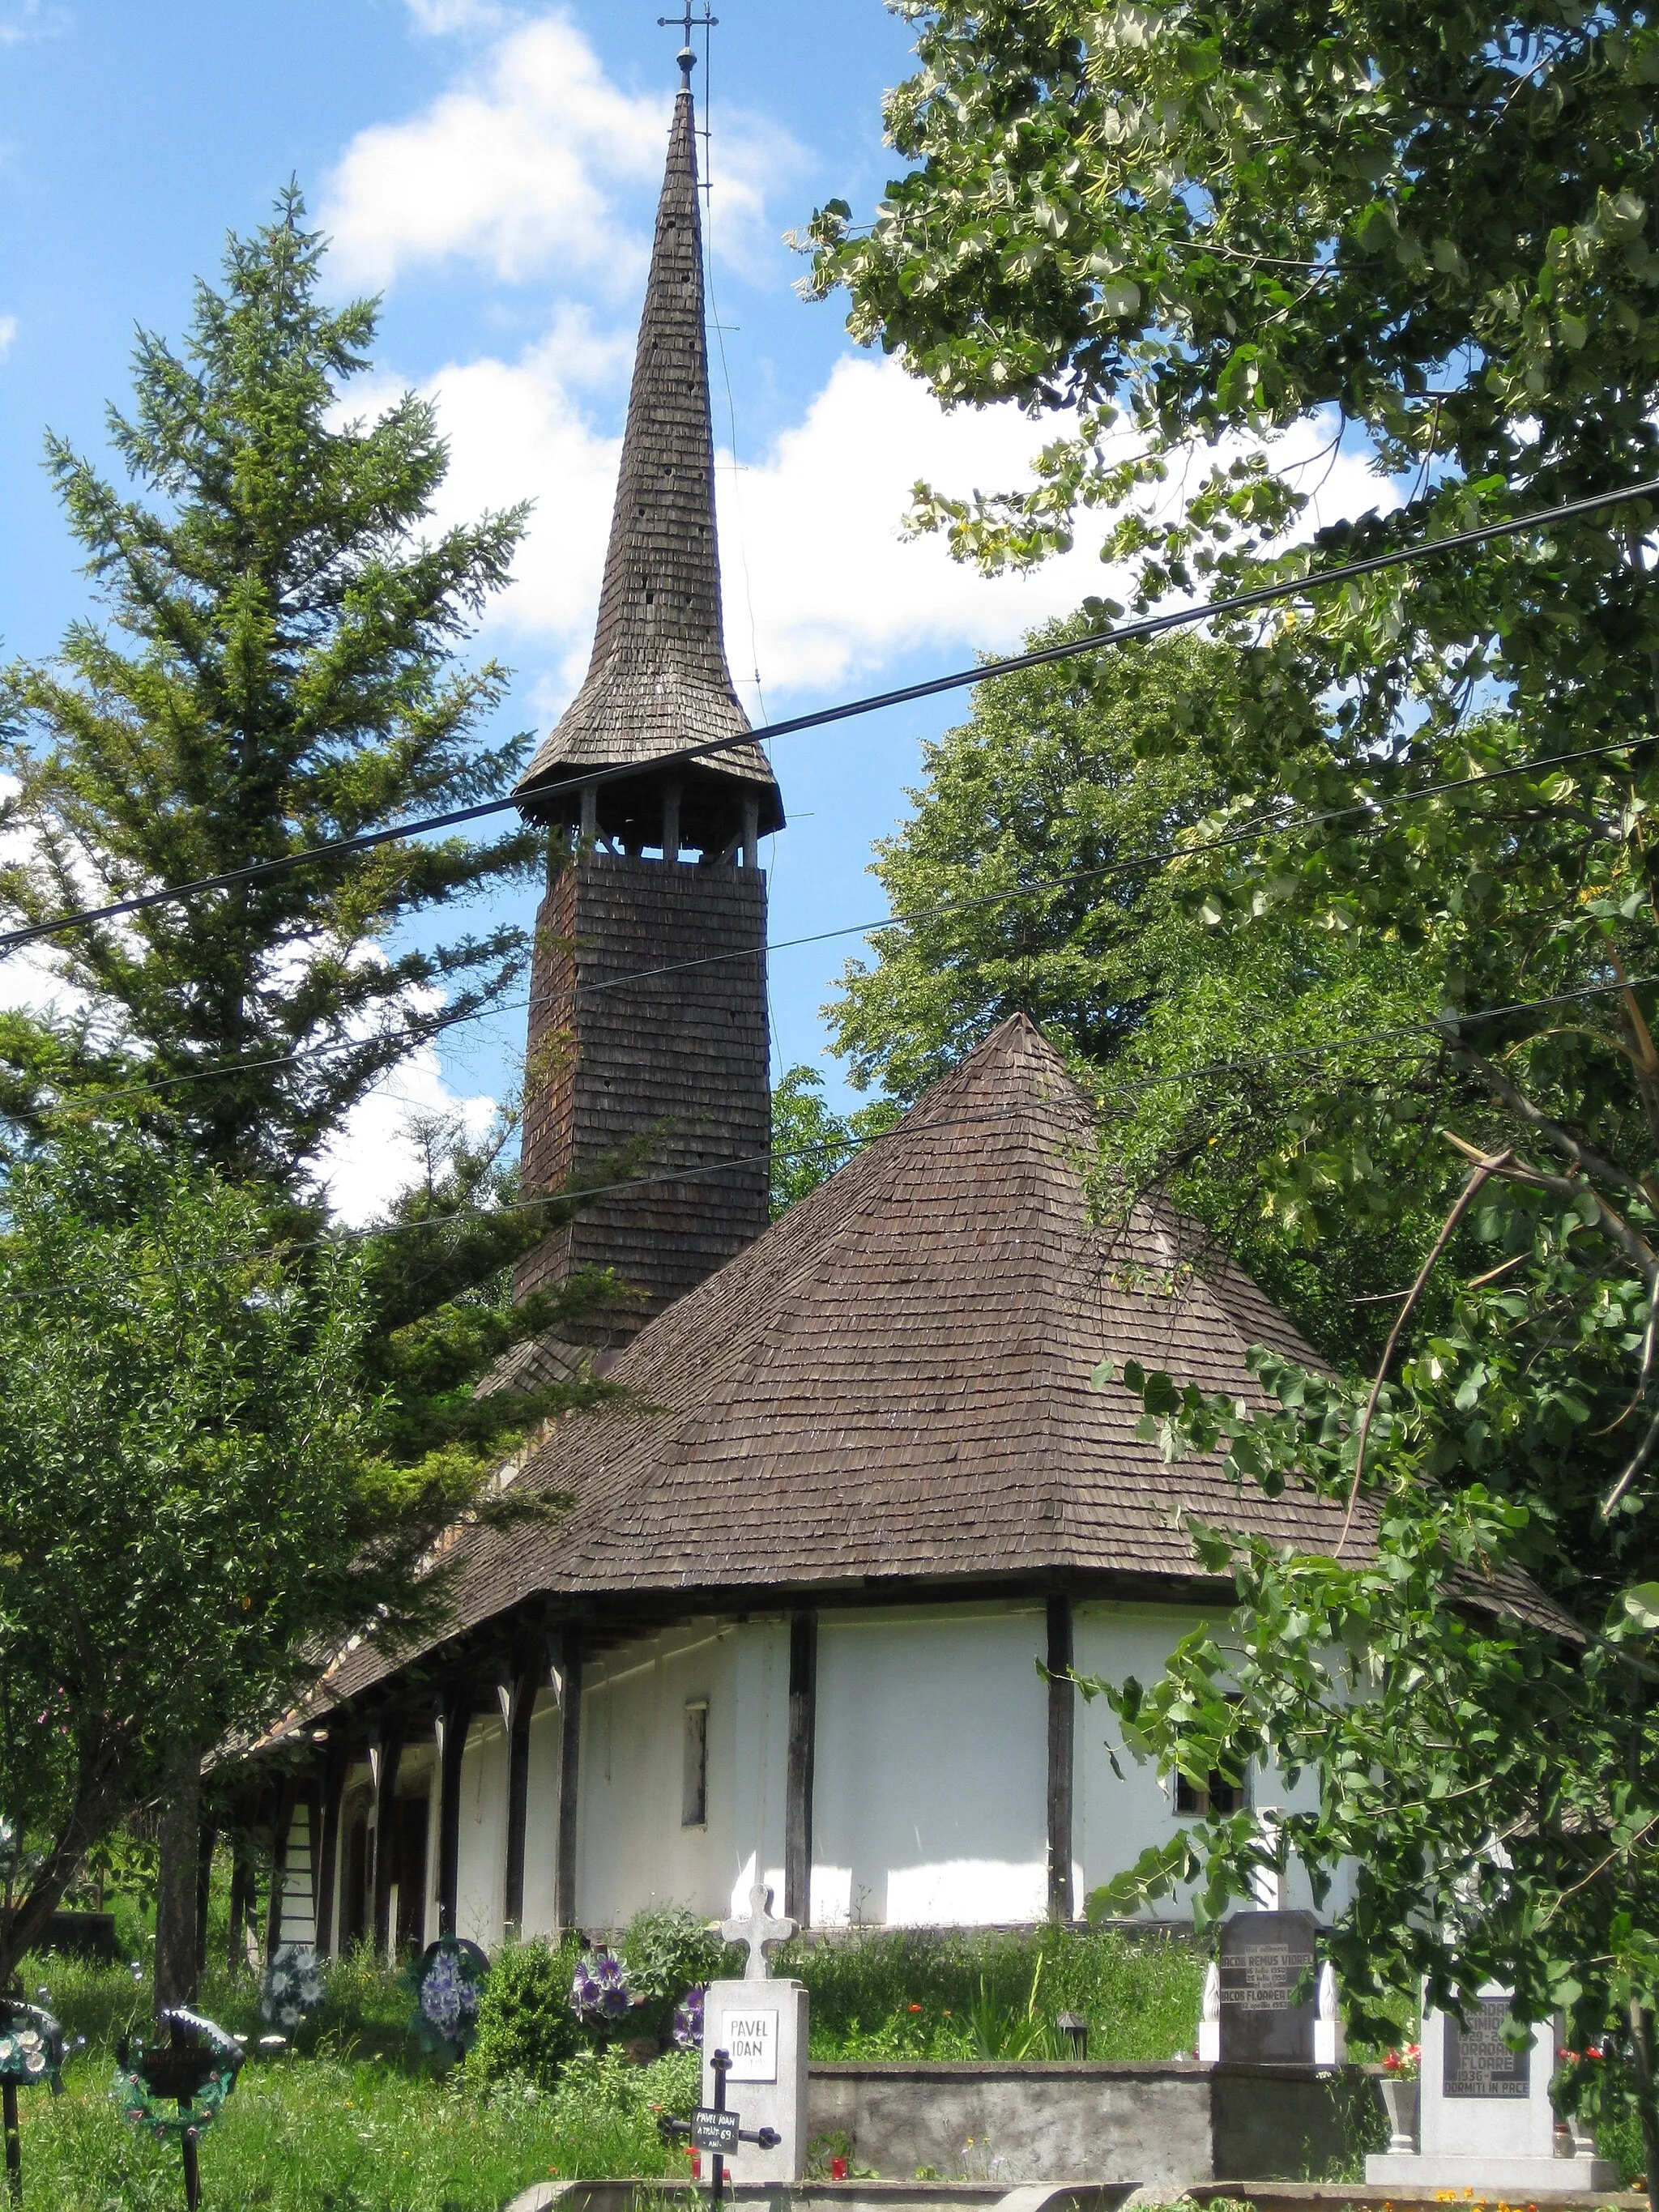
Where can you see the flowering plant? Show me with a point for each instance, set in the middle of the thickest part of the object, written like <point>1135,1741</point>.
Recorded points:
<point>445,1981</point>
<point>599,1990</point>
<point>1403,2064</point>
<point>686,2030</point>
<point>293,1987</point>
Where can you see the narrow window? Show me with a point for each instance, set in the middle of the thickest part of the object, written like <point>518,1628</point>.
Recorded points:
<point>694,1777</point>
<point>1218,1795</point>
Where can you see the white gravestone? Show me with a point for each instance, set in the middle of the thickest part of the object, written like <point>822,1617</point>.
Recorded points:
<point>762,2025</point>
<point>1484,2120</point>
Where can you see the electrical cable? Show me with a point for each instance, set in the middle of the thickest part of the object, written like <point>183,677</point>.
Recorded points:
<point>932,687</point>
<point>1428,1030</point>
<point>1280,826</point>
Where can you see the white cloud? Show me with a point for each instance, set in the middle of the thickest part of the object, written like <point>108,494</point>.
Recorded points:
<point>438,17</point>
<point>7,334</point>
<point>535,153</point>
<point>810,533</point>
<point>28,19</point>
<point>374,1158</point>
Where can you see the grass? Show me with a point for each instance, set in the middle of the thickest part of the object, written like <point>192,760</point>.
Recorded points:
<point>355,2121</point>
<point>903,1994</point>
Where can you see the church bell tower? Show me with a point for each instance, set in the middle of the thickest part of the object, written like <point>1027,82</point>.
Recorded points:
<point>647,1024</point>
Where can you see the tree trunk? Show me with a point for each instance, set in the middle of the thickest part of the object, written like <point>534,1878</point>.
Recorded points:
<point>1647,2098</point>
<point>176,1979</point>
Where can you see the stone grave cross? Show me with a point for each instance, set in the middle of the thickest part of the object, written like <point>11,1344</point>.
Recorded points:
<point>758,1931</point>
<point>759,2028</point>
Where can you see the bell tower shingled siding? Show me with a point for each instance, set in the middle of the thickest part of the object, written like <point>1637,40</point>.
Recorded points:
<point>678,1059</point>
<point>675,1062</point>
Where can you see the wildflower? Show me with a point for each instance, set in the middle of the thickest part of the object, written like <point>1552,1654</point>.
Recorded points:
<point>915,2007</point>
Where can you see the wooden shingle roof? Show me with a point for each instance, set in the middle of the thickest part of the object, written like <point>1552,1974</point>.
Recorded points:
<point>659,677</point>
<point>892,1386</point>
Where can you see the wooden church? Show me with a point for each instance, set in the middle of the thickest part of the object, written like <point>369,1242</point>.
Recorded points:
<point>857,1487</point>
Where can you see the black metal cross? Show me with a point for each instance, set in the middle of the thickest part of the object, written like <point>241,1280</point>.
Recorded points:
<point>685,25</point>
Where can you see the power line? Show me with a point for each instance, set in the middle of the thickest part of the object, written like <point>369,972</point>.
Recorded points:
<point>1281,826</point>
<point>1428,1030</point>
<point>932,687</point>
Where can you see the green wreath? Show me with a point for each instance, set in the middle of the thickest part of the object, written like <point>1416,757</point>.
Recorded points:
<point>31,2045</point>
<point>164,2116</point>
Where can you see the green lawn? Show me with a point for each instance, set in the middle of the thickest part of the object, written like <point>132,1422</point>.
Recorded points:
<point>358,2121</point>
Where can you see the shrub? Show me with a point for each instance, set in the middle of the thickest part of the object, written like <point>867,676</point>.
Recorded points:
<point>667,1950</point>
<point>525,2026</point>
<point>606,2112</point>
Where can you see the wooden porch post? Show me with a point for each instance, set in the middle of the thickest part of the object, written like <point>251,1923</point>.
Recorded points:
<point>280,1819</point>
<point>244,1891</point>
<point>1062,1702</point>
<point>518,1695</point>
<point>391,1751</point>
<point>205,1888</point>
<point>798,1788</point>
<point>333,1774</point>
<point>453,1717</point>
<point>570,1717</point>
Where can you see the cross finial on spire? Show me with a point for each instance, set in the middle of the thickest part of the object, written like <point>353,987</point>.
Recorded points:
<point>686,23</point>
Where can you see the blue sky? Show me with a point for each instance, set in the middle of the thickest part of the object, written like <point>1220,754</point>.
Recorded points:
<point>492,169</point>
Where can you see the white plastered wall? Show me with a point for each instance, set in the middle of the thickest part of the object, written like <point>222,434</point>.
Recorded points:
<point>481,1861</point>
<point>633,1849</point>
<point>1113,1820</point>
<point>930,1782</point>
<point>541,1834</point>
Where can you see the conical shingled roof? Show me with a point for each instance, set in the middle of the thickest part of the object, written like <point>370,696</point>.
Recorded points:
<point>659,679</point>
<point>893,1383</point>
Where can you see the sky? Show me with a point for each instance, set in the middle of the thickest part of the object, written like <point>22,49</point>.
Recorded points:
<point>492,170</point>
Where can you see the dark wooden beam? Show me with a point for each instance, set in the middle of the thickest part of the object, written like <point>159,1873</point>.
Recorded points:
<point>803,1747</point>
<point>520,1705</point>
<point>243,1892</point>
<point>332,1768</point>
<point>455,1717</point>
<point>1062,1708</point>
<point>390,1756</point>
<point>205,1888</point>
<point>569,1774</point>
<point>280,1817</point>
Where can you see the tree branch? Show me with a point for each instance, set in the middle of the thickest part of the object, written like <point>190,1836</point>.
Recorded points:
<point>1479,1175</point>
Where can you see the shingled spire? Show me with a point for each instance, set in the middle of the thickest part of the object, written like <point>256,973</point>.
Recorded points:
<point>647,1053</point>
<point>659,679</point>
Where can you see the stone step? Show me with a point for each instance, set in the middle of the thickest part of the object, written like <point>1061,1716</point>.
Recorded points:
<point>830,2197</point>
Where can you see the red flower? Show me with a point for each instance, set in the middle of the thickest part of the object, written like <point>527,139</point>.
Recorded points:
<point>915,2007</point>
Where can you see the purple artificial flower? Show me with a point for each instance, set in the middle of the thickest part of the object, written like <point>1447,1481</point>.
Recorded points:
<point>444,1993</point>
<point>599,1989</point>
<point>687,2020</point>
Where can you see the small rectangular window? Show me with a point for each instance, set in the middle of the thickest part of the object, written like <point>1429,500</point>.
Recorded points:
<point>1218,1795</point>
<point>694,1774</point>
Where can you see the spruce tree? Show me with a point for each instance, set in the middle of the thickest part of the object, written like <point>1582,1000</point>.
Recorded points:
<point>274,671</point>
